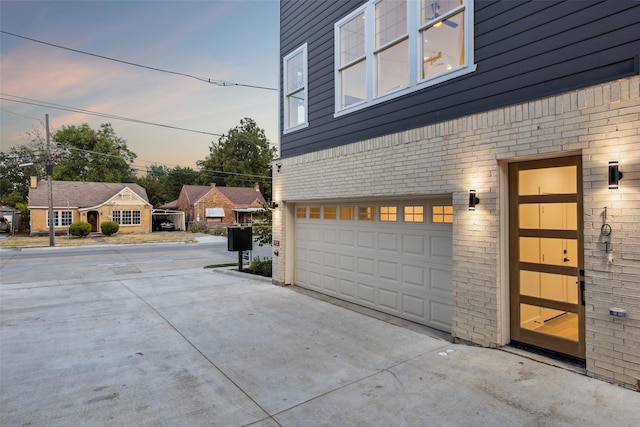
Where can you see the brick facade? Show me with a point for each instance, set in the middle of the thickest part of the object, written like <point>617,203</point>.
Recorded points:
<point>600,123</point>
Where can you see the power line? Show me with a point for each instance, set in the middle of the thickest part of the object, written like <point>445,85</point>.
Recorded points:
<point>39,103</point>
<point>202,79</point>
<point>21,115</point>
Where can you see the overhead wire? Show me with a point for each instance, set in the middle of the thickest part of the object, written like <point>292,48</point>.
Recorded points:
<point>39,103</point>
<point>216,82</point>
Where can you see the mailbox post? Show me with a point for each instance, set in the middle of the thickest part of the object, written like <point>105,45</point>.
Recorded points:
<point>239,239</point>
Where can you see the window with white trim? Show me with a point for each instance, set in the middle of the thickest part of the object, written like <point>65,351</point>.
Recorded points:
<point>61,218</point>
<point>295,89</point>
<point>388,48</point>
<point>127,217</point>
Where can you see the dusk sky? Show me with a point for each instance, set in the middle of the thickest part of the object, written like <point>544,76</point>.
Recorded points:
<point>234,41</point>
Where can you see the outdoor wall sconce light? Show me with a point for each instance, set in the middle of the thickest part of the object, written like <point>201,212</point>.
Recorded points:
<point>273,205</point>
<point>278,165</point>
<point>473,200</point>
<point>614,175</point>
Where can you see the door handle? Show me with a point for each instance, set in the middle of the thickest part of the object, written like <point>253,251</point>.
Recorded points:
<point>582,291</point>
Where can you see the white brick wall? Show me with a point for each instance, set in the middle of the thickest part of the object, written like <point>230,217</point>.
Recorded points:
<point>601,122</point>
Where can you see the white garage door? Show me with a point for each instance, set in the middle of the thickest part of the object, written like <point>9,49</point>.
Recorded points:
<point>394,257</point>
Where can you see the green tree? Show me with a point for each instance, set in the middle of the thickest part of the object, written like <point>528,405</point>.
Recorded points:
<point>263,225</point>
<point>89,155</point>
<point>239,159</point>
<point>15,178</point>
<point>164,184</point>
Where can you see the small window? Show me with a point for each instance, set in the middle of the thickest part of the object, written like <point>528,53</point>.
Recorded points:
<point>330,212</point>
<point>295,89</point>
<point>388,213</point>
<point>414,214</point>
<point>314,213</point>
<point>346,212</point>
<point>365,213</point>
<point>442,214</point>
<point>301,212</point>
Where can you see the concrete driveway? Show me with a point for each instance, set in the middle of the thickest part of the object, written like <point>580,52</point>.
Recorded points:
<point>207,348</point>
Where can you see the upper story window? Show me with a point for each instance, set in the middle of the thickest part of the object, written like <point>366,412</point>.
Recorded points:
<point>388,48</point>
<point>295,89</point>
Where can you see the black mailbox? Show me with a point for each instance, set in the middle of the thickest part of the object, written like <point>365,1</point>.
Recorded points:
<point>239,239</point>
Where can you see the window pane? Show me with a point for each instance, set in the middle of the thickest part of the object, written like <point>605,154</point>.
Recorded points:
<point>354,84</point>
<point>549,216</point>
<point>314,212</point>
<point>443,46</point>
<point>393,67</point>
<point>365,213</point>
<point>346,212</point>
<point>330,212</point>
<point>352,39</point>
<point>442,214</point>
<point>295,73</point>
<point>388,213</point>
<point>391,21</point>
<point>549,321</point>
<point>301,212</point>
<point>414,214</point>
<point>67,218</point>
<point>557,180</point>
<point>296,109</point>
<point>432,9</point>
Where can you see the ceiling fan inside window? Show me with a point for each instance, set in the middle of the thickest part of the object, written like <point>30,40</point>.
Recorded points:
<point>435,9</point>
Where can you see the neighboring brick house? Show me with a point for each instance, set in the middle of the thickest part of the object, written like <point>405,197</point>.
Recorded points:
<point>92,202</point>
<point>455,163</point>
<point>213,205</point>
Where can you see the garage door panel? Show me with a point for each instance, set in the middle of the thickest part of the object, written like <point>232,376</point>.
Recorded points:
<point>440,313</point>
<point>329,260</point>
<point>413,245</point>
<point>366,267</point>
<point>399,268</point>
<point>330,235</point>
<point>413,275</point>
<point>388,242</point>
<point>366,240</point>
<point>314,256</point>
<point>441,247</point>
<point>413,306</point>
<point>367,293</point>
<point>347,263</point>
<point>347,237</point>
<point>389,299</point>
<point>388,270</point>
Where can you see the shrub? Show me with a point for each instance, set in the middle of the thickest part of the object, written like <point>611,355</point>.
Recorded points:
<point>220,230</point>
<point>80,229</point>
<point>260,267</point>
<point>109,228</point>
<point>198,227</point>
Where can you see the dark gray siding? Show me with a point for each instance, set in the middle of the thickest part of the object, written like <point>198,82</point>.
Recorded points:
<point>523,51</point>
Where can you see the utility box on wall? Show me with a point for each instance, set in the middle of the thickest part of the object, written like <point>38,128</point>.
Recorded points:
<point>239,239</point>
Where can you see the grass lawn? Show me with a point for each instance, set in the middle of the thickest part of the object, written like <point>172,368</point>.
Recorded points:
<point>24,241</point>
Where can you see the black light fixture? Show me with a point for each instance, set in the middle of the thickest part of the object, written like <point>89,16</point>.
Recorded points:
<point>614,175</point>
<point>273,205</point>
<point>473,200</point>
<point>278,165</point>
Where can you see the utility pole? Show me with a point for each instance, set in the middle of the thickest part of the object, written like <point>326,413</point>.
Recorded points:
<point>49,167</point>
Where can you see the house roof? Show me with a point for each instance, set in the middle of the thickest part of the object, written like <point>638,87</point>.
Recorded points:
<point>80,194</point>
<point>173,205</point>
<point>240,196</point>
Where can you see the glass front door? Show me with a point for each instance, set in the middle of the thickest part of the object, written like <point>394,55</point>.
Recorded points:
<point>546,283</point>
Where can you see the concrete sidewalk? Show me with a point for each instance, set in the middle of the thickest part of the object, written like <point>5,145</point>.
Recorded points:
<point>203,348</point>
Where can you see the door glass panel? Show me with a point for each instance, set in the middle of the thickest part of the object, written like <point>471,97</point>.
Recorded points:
<point>549,321</point>
<point>549,216</point>
<point>554,287</point>
<point>558,180</point>
<point>542,250</point>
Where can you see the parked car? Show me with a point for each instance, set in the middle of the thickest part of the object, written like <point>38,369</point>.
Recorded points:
<point>163,225</point>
